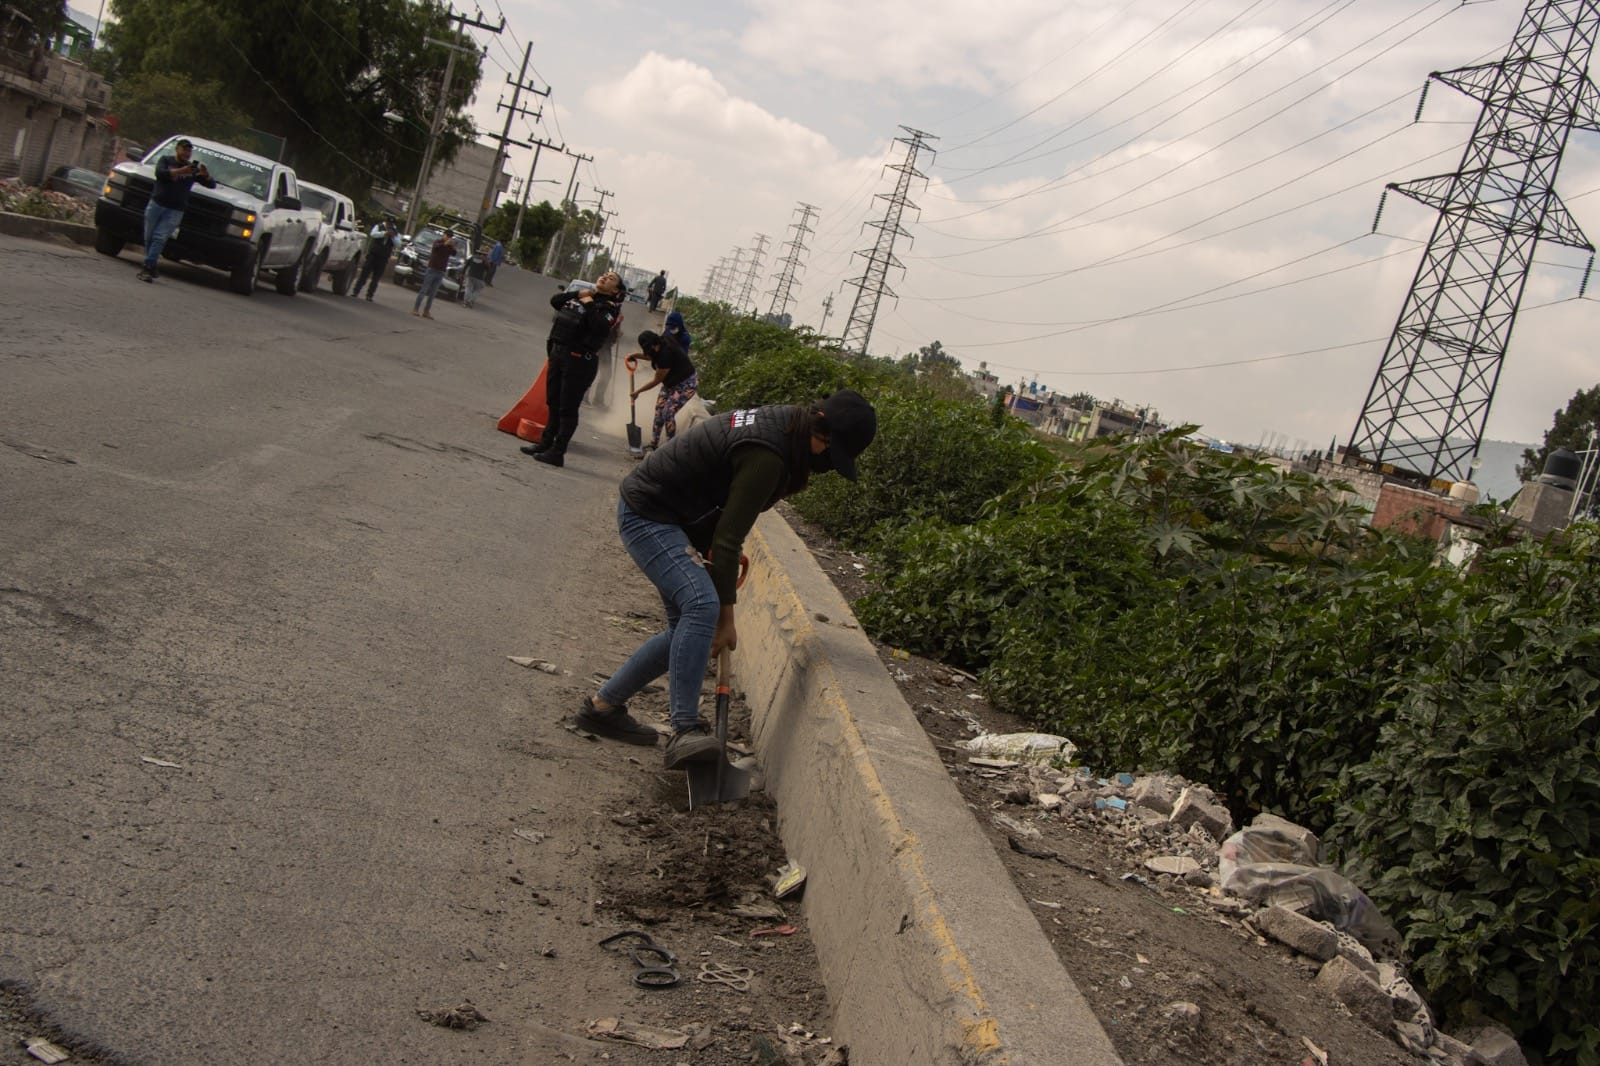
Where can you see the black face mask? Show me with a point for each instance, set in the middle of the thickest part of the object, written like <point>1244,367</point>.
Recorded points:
<point>821,463</point>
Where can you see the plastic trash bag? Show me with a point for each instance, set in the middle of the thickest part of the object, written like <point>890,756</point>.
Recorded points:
<point>1276,865</point>
<point>1038,749</point>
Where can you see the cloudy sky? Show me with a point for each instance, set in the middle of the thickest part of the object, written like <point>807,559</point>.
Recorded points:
<point>1166,202</point>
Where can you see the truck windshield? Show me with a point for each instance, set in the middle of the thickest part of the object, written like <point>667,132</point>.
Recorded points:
<point>246,175</point>
<point>313,199</point>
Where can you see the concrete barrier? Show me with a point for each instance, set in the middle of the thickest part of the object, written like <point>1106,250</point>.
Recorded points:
<point>929,953</point>
<point>15,225</point>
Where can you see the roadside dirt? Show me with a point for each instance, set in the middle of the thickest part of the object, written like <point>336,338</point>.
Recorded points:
<point>1170,968</point>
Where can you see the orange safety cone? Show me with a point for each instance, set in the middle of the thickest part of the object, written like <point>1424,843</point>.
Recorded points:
<point>529,415</point>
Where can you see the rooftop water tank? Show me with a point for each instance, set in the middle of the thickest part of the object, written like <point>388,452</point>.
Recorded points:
<point>1561,469</point>
<point>1465,491</point>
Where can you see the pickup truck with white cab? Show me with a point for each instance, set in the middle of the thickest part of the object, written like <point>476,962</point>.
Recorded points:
<point>338,247</point>
<point>252,225</point>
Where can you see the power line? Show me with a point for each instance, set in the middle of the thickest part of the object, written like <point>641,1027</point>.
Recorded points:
<point>873,284</point>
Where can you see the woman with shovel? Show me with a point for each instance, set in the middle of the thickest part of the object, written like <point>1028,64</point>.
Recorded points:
<point>683,516</point>
<point>677,378</point>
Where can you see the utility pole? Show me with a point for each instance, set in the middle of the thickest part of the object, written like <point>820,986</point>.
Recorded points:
<point>505,135</point>
<point>711,276</point>
<point>600,217</point>
<point>827,309</point>
<point>444,104</point>
<point>756,252</point>
<point>734,273</point>
<point>527,187</point>
<point>789,266</point>
<point>1428,404</point>
<point>873,284</point>
<point>554,250</point>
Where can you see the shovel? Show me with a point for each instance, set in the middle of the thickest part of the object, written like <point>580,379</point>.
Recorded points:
<point>635,434</point>
<point>719,781</point>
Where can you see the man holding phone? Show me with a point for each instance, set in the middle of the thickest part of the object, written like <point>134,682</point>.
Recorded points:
<point>175,176</point>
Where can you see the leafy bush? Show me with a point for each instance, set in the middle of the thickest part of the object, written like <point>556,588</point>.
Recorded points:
<point>1476,822</point>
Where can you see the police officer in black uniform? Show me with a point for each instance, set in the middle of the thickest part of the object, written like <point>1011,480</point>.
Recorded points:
<point>582,326</point>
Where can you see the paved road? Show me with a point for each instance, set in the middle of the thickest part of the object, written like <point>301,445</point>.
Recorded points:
<point>278,543</point>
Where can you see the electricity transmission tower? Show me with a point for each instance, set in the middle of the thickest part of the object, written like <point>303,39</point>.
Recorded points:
<point>1427,407</point>
<point>789,266</point>
<point>756,252</point>
<point>873,284</point>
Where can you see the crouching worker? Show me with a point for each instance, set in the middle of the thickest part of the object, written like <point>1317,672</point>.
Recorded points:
<point>683,516</point>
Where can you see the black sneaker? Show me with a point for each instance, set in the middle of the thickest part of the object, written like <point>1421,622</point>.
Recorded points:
<point>147,275</point>
<point>695,744</point>
<point>554,458</point>
<point>537,448</point>
<point>614,724</point>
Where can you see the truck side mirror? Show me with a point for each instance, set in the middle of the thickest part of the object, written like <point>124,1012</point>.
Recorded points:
<point>288,203</point>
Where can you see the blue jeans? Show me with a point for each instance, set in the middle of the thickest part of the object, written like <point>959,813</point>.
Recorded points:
<point>683,649</point>
<point>159,222</point>
<point>430,288</point>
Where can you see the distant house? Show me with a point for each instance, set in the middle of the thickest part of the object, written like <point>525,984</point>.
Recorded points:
<point>53,109</point>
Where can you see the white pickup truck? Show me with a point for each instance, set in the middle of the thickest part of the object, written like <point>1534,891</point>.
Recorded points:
<point>252,224</point>
<point>337,251</point>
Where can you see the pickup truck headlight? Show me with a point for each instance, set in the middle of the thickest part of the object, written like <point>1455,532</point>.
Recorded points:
<point>116,187</point>
<point>241,223</point>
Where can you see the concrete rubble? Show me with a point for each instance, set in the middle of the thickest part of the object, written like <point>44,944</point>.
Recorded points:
<point>1182,834</point>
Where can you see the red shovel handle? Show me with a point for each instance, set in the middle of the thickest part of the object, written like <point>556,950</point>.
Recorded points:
<point>632,363</point>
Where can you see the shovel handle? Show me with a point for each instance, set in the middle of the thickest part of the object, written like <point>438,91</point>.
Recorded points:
<point>631,362</point>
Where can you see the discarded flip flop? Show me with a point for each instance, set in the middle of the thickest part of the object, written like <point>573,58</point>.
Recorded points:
<point>654,963</point>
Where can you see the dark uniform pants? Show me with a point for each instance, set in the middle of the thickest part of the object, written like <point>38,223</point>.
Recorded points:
<point>568,376</point>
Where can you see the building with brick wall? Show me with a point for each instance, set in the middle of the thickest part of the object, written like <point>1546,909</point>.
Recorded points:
<point>53,109</point>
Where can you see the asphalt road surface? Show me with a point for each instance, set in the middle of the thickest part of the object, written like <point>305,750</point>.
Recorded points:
<point>262,561</point>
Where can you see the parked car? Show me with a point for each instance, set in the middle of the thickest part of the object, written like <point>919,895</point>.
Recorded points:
<point>412,262</point>
<point>77,182</point>
<point>338,246</point>
<point>251,225</point>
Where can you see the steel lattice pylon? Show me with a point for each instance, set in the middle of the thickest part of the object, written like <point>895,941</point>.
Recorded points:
<point>873,284</point>
<point>789,266</point>
<point>1429,402</point>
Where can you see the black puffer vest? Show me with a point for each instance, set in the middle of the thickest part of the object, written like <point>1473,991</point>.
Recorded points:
<point>685,482</point>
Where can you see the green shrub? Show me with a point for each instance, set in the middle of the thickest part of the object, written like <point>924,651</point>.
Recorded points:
<point>1476,823</point>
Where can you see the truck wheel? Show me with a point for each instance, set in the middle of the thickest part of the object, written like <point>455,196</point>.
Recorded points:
<point>243,278</point>
<point>289,276</point>
<point>313,273</point>
<point>106,244</point>
<point>344,279</point>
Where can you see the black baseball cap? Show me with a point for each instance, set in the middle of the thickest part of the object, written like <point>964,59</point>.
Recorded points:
<point>851,424</point>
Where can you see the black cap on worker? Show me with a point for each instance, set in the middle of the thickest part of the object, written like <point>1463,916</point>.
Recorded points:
<point>851,423</point>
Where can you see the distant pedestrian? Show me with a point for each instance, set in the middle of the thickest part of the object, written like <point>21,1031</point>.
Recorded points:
<point>497,255</point>
<point>438,262</point>
<point>476,269</point>
<point>582,325</point>
<point>175,176</point>
<point>380,246</point>
<point>677,331</point>
<point>657,289</point>
<point>677,378</point>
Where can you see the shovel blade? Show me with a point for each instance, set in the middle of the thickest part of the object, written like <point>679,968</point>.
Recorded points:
<point>716,781</point>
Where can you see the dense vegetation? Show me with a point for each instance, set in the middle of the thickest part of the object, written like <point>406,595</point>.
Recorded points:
<point>1171,607</point>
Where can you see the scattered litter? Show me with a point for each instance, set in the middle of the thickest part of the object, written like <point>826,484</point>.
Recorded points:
<point>1115,803</point>
<point>1182,1012</point>
<point>1040,749</point>
<point>44,1051</point>
<point>465,1016</point>
<point>1047,903</point>
<point>901,676</point>
<point>540,665</point>
<point>575,731</point>
<point>974,696</point>
<point>1137,879</point>
<point>1316,1053</point>
<point>901,654</point>
<point>1014,827</point>
<point>649,1036</point>
<point>753,906</point>
<point>1176,865</point>
<point>1123,982</point>
<point>160,762</point>
<point>790,878</point>
<point>532,836</point>
<point>993,764</point>
<point>777,930</point>
<point>1125,780</point>
<point>735,977</point>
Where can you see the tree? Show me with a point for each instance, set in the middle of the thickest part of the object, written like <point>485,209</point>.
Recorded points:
<point>1571,429</point>
<point>540,222</point>
<point>351,85</point>
<point>151,106</point>
<point>40,20</point>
